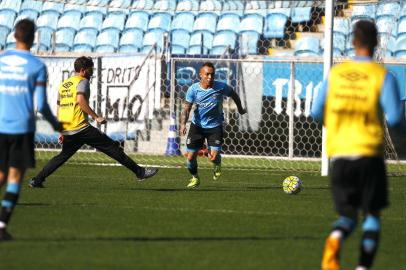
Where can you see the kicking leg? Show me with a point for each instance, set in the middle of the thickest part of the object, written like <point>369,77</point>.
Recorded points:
<point>369,242</point>
<point>192,166</point>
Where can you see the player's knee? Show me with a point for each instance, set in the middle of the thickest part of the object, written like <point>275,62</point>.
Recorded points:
<point>371,223</point>
<point>345,224</point>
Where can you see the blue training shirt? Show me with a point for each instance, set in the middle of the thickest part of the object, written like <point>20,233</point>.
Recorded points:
<point>22,75</point>
<point>209,103</point>
<point>389,100</point>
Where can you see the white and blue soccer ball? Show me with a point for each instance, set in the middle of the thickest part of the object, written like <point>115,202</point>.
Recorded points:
<point>292,185</point>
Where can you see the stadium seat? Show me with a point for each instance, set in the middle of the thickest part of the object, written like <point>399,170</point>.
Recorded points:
<point>363,12</point>
<point>10,41</point>
<point>151,37</point>
<point>48,20</point>
<point>122,4</point>
<point>160,20</point>
<point>143,5</point>
<point>339,45</point>
<point>92,21</point>
<point>99,8</point>
<point>342,26</point>
<point>180,37</point>
<point>85,40</point>
<point>205,22</point>
<point>44,38</point>
<point>114,20</point>
<point>27,14</point>
<point>279,4</point>
<point>176,49</point>
<point>75,8</point>
<point>70,19</point>
<point>11,5</point>
<point>284,10</point>
<point>202,39</point>
<point>197,50</point>
<point>35,6</point>
<point>137,19</point>
<point>256,7</point>
<point>107,41</point>
<point>236,7</point>
<point>401,28</point>
<point>3,36</point>
<point>252,22</point>
<point>213,6</point>
<point>388,9</point>
<point>183,20</point>
<point>400,48</point>
<point>307,46</point>
<point>165,6</point>
<point>53,7</point>
<point>387,44</point>
<point>187,5</point>
<point>349,48</point>
<point>229,21</point>
<point>64,39</point>
<point>222,40</point>
<point>7,19</point>
<point>185,76</point>
<point>275,25</point>
<point>131,40</point>
<point>301,14</point>
<point>248,42</point>
<point>387,25</point>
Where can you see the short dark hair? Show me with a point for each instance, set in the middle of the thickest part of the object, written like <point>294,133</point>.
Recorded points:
<point>25,31</point>
<point>208,64</point>
<point>366,34</point>
<point>83,62</point>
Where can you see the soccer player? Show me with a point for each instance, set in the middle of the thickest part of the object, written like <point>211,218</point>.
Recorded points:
<point>352,103</point>
<point>73,111</point>
<point>207,122</point>
<point>22,75</point>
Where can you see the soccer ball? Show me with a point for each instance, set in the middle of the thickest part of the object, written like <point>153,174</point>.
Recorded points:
<point>292,185</point>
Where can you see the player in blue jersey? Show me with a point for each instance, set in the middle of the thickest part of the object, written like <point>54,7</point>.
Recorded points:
<point>207,122</point>
<point>352,104</point>
<point>22,76</point>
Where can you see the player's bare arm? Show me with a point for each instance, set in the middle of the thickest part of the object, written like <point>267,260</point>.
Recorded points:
<point>187,107</point>
<point>237,101</point>
<point>84,105</point>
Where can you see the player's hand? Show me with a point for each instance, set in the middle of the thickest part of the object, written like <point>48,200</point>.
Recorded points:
<point>182,130</point>
<point>60,139</point>
<point>101,120</point>
<point>242,111</point>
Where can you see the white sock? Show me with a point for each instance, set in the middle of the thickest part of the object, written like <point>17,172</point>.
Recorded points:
<point>337,234</point>
<point>361,268</point>
<point>2,225</point>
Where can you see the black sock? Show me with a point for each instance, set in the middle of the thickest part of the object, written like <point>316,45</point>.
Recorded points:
<point>7,206</point>
<point>368,248</point>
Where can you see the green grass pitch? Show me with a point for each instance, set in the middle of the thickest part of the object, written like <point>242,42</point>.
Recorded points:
<point>94,217</point>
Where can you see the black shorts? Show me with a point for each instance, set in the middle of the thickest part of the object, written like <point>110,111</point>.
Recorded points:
<point>359,184</point>
<point>197,135</point>
<point>17,151</point>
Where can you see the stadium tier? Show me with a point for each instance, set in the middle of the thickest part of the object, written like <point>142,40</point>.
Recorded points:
<point>258,27</point>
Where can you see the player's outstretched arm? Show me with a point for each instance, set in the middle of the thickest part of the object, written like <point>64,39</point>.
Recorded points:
<point>237,102</point>
<point>84,105</point>
<point>187,107</point>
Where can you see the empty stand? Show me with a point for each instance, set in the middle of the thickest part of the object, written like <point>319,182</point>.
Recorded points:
<point>131,40</point>
<point>206,22</point>
<point>275,25</point>
<point>85,40</point>
<point>307,46</point>
<point>114,20</point>
<point>64,39</point>
<point>229,21</point>
<point>137,19</point>
<point>183,20</point>
<point>160,20</point>
<point>108,41</point>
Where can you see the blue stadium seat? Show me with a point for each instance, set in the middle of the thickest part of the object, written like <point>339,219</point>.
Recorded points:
<point>64,39</point>
<point>176,49</point>
<point>53,7</point>
<point>222,40</point>
<point>248,42</point>
<point>301,14</point>
<point>160,20</point>
<point>185,76</point>
<point>10,41</point>
<point>342,26</point>
<point>131,40</point>
<point>281,10</point>
<point>229,21</point>
<point>32,5</point>
<point>85,40</point>
<point>3,36</point>
<point>236,7</point>
<point>92,21</point>
<point>200,41</point>
<point>122,4</point>
<point>97,9</point>
<point>349,47</point>
<point>151,37</point>
<point>387,44</point>
<point>387,25</point>
<point>180,37</point>
<point>206,21</point>
<point>7,19</point>
<point>339,45</point>
<point>363,12</point>
<point>400,49</point>
<point>70,19</point>
<point>213,6</point>
<point>252,22</point>
<point>188,5</point>
<point>144,5</point>
<point>27,14</point>
<point>183,20</point>
<point>114,20</point>
<point>256,7</point>
<point>107,41</point>
<point>75,8</point>
<point>165,6</point>
<point>279,4</point>
<point>48,20</point>
<point>197,49</point>
<point>275,25</point>
<point>44,36</point>
<point>387,9</point>
<point>307,46</point>
<point>11,5</point>
<point>137,19</point>
<point>401,28</point>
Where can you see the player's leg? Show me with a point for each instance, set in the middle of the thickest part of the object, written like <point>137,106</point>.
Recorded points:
<point>215,141</point>
<point>71,144</point>
<point>4,146</point>
<point>346,200</point>
<point>374,198</point>
<point>105,144</point>
<point>194,142</point>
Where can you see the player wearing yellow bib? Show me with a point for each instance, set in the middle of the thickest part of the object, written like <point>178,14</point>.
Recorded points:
<point>73,111</point>
<point>352,103</point>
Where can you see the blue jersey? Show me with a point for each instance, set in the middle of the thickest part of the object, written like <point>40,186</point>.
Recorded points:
<point>22,75</point>
<point>209,103</point>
